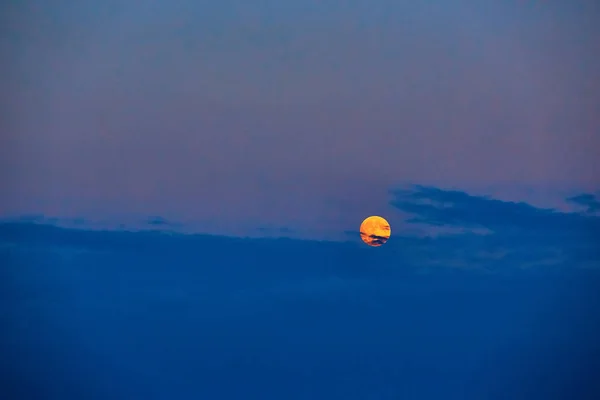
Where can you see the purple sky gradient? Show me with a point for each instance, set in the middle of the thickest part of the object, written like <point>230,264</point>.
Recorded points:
<point>298,114</point>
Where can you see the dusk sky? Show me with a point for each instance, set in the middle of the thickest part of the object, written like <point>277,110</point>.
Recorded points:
<point>236,116</point>
<point>182,185</point>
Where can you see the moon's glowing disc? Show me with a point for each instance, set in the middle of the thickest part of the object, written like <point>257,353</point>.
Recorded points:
<point>375,231</point>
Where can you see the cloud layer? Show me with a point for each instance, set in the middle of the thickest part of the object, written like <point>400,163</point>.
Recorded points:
<point>519,233</point>
<point>513,313</point>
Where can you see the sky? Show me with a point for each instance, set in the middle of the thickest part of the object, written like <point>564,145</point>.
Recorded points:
<point>237,118</point>
<point>182,185</point>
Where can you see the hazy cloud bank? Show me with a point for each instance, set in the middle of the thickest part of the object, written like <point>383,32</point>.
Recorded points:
<point>156,315</point>
<point>519,233</point>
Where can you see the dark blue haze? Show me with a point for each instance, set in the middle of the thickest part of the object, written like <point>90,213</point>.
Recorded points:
<point>511,314</point>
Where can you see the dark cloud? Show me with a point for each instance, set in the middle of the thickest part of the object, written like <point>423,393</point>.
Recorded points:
<point>378,239</point>
<point>524,235</point>
<point>218,310</point>
<point>435,206</point>
<point>587,200</point>
<point>221,309</point>
<point>374,239</point>
<point>156,220</point>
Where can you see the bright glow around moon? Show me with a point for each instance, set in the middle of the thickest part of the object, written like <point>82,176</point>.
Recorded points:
<point>375,231</point>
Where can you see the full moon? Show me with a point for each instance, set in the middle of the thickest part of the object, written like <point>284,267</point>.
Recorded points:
<point>375,231</point>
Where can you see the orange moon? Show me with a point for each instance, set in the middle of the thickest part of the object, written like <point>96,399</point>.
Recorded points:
<point>375,231</point>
